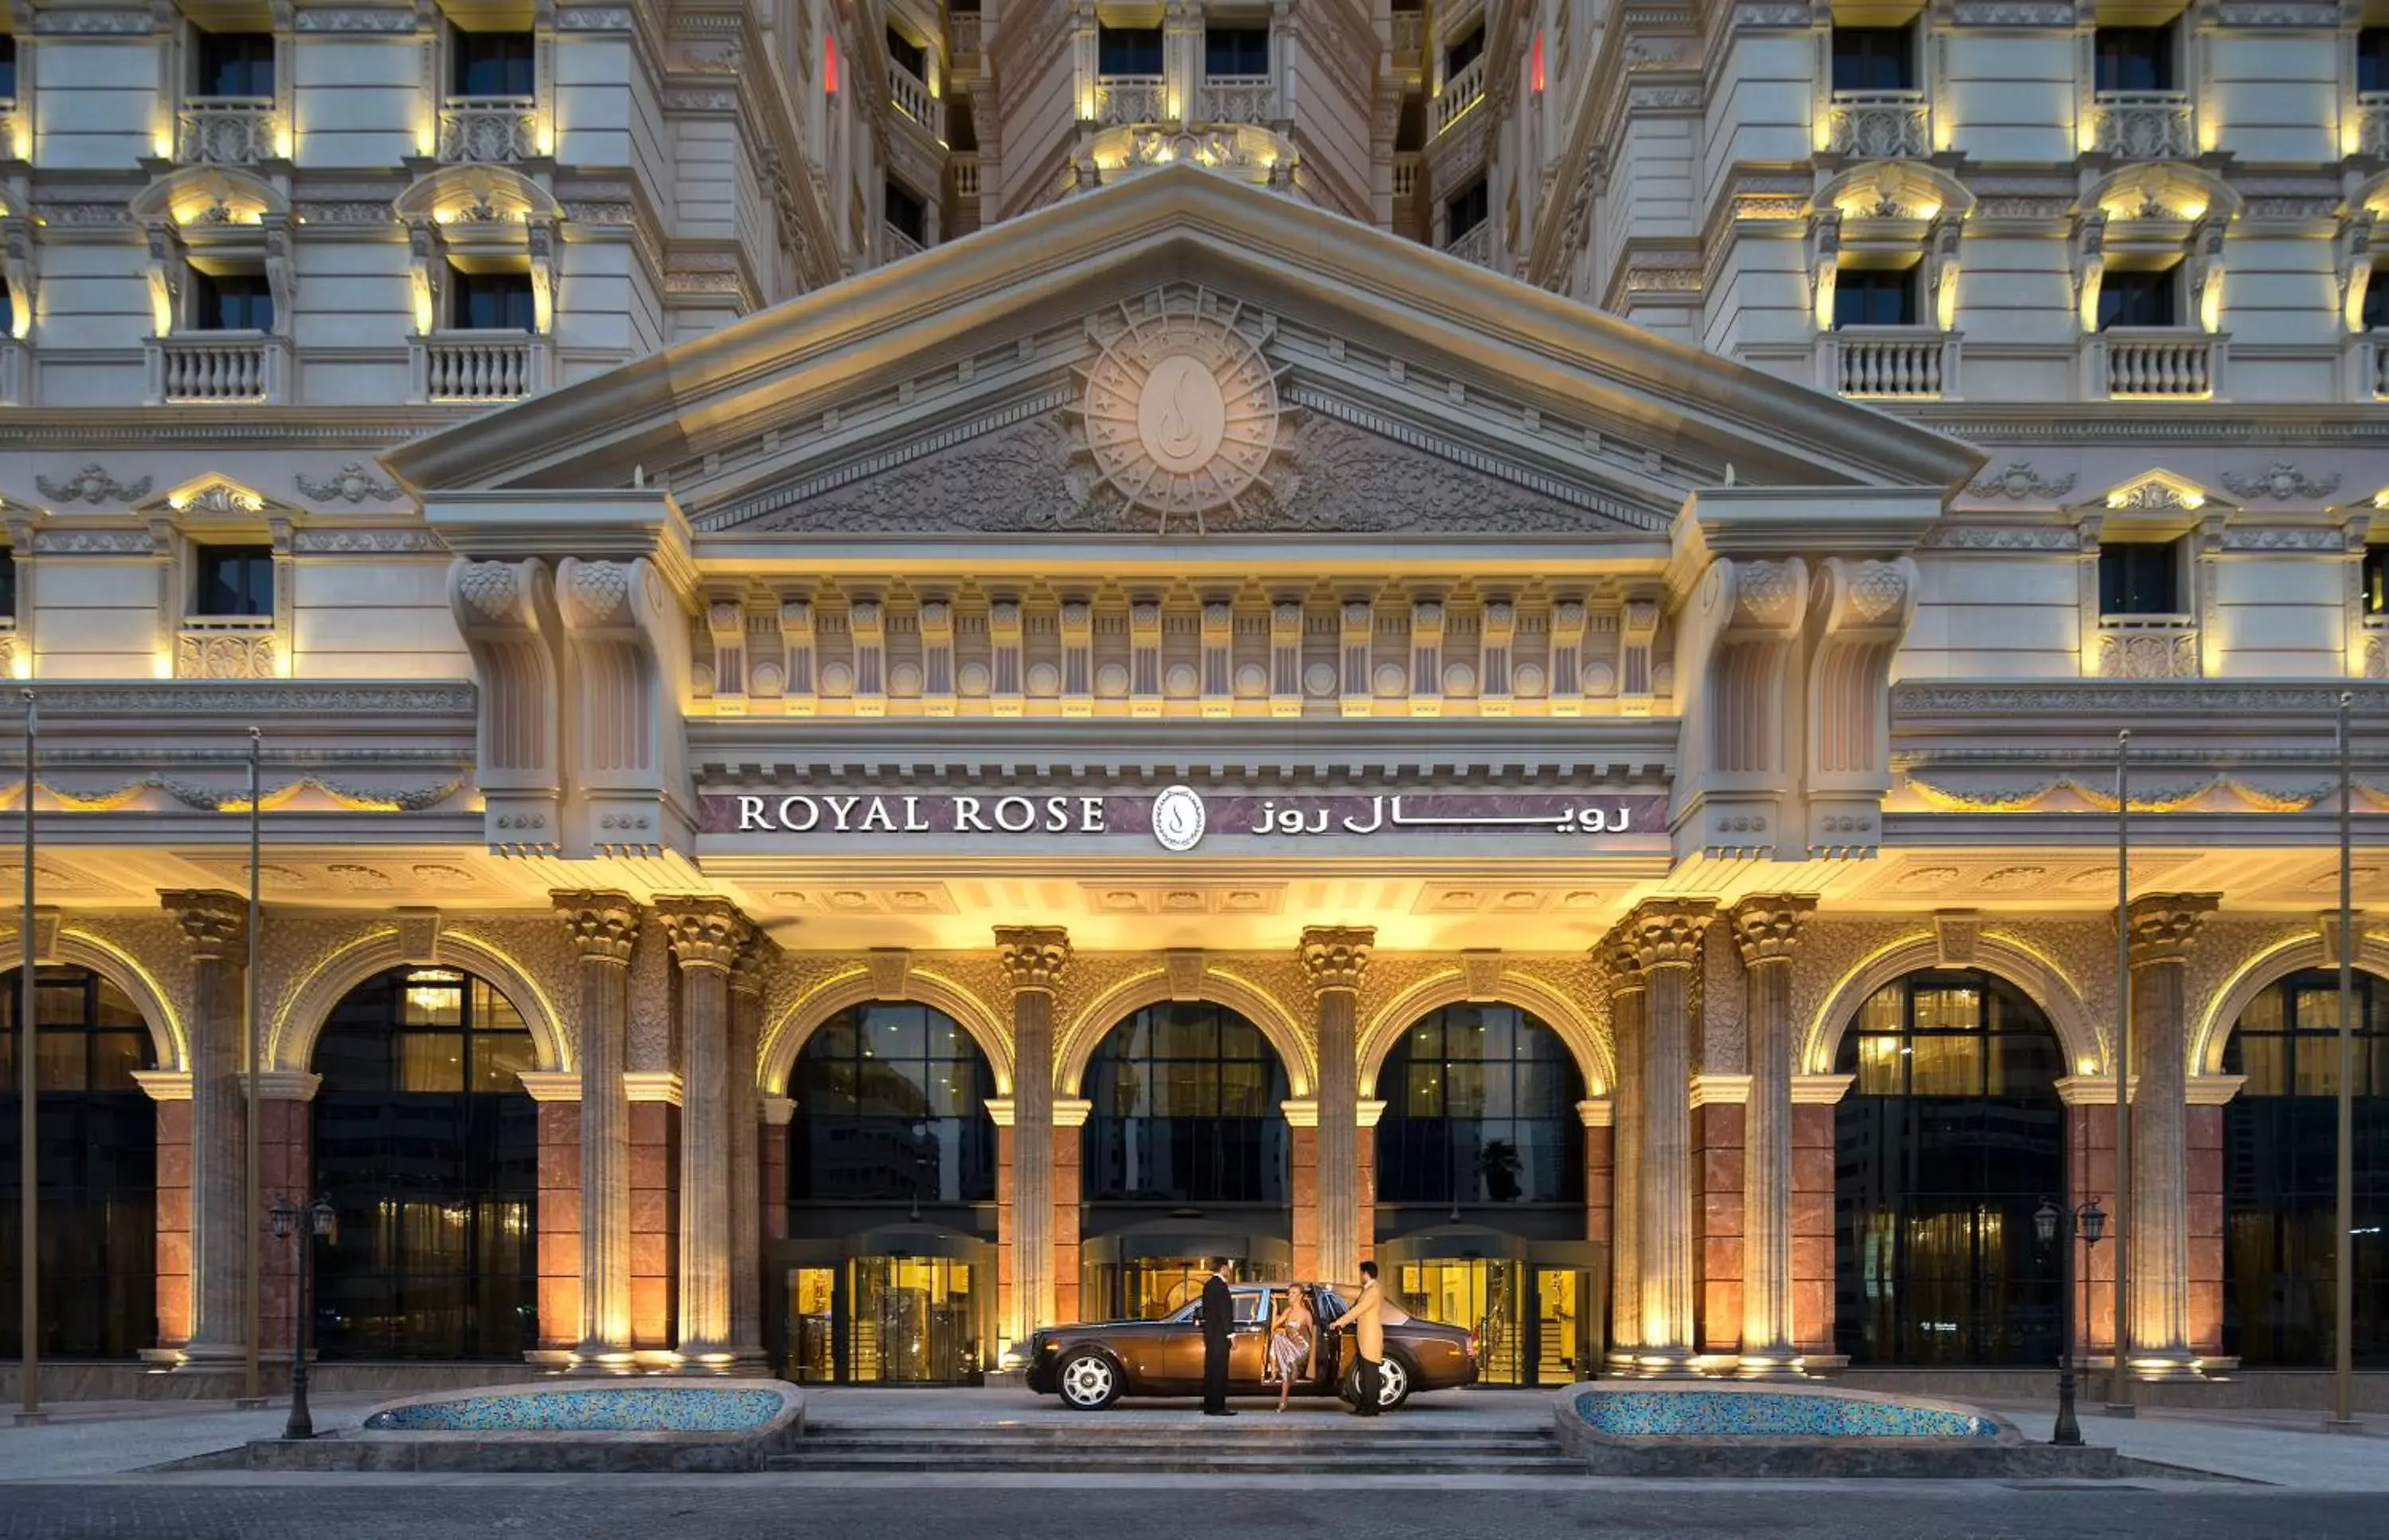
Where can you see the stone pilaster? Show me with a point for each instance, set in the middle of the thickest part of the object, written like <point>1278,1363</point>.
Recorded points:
<point>1034,957</point>
<point>706,935</point>
<point>1626,1000</point>
<point>743,1108</point>
<point>1337,956</point>
<point>2164,926</point>
<point>604,927</point>
<point>1767,930</point>
<point>1664,936</point>
<point>223,1242</point>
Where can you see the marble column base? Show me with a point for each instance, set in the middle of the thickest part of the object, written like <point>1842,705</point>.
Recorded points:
<point>1653,1363</point>
<point>2166,1363</point>
<point>212,1357</point>
<point>1771,1363</point>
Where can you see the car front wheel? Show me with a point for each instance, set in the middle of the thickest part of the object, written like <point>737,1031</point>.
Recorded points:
<point>1393,1384</point>
<point>1089,1382</point>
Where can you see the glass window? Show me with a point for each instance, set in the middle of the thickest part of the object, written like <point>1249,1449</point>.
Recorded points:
<point>231,302</point>
<point>1465,52</point>
<point>1874,297</point>
<point>2139,299</point>
<point>235,580</point>
<point>2281,1142</point>
<point>907,55</point>
<point>494,64</point>
<point>2133,59</point>
<point>491,302</point>
<point>1127,50</point>
<point>1874,58</point>
<point>1235,51</point>
<point>1947,1141</point>
<point>2373,59</point>
<point>8,580</point>
<point>906,214</point>
<point>890,1108</point>
<point>429,1148</point>
<point>7,67</point>
<point>99,1142</point>
<point>1487,1113</point>
<point>1187,1109</point>
<point>1466,209</point>
<point>232,64</point>
<point>2376,581</point>
<point>2140,578</point>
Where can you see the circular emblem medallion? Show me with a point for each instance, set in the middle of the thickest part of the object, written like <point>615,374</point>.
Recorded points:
<point>1178,818</point>
<point>1180,411</point>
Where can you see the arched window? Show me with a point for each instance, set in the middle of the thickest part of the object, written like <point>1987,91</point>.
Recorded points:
<point>2280,1174</point>
<point>99,1134</point>
<point>428,1147</point>
<point>1480,1108</point>
<point>891,1107</point>
<point>1946,1144</point>
<point>1188,1108</point>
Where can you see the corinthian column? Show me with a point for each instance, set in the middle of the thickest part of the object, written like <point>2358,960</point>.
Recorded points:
<point>1664,937</point>
<point>1766,930</point>
<point>1033,958</point>
<point>1337,956</point>
<point>603,927</point>
<point>707,935</point>
<point>2164,928</point>
<point>744,1110</point>
<point>222,1242</point>
<point>1626,998</point>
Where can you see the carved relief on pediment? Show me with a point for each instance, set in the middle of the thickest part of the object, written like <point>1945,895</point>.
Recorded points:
<point>1036,477</point>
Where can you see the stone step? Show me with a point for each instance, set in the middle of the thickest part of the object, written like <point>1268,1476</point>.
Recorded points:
<point>1308,1447</point>
<point>1063,1462</point>
<point>1262,1427</point>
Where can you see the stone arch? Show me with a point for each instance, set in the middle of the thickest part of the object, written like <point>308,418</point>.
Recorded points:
<point>169,1039</point>
<point>1911,183</point>
<point>2042,982</point>
<point>511,195</point>
<point>784,1037</point>
<point>295,1026</point>
<point>203,195</point>
<point>1220,987</point>
<point>2259,973</point>
<point>1595,1057</point>
<point>2176,184</point>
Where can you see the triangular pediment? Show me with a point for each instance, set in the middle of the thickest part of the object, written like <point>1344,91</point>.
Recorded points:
<point>1173,354</point>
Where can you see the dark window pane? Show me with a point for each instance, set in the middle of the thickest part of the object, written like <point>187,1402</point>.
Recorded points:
<point>2140,578</point>
<point>1874,58</point>
<point>494,64</point>
<point>907,213</point>
<point>231,302</point>
<point>491,301</point>
<point>234,64</point>
<point>7,67</point>
<point>1187,1107</point>
<point>1466,208</point>
<point>1481,1108</point>
<point>235,580</point>
<point>1464,52</point>
<point>7,576</point>
<point>2133,58</point>
<point>1874,297</point>
<point>891,1107</point>
<point>2372,59</point>
<point>1127,50</point>
<point>907,55</point>
<point>1235,51</point>
<point>2139,299</point>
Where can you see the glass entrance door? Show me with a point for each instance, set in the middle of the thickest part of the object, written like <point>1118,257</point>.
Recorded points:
<point>1563,1326</point>
<point>812,1314</point>
<point>1481,1295</point>
<point>907,1320</point>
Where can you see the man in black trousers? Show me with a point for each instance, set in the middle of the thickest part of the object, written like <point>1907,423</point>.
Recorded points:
<point>1219,1319</point>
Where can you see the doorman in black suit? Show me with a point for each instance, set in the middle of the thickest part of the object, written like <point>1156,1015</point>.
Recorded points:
<point>1219,1319</point>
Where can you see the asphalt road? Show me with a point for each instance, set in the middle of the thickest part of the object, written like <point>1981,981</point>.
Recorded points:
<point>665,1508</point>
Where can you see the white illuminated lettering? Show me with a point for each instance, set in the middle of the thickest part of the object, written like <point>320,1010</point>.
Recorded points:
<point>1091,815</point>
<point>913,822</point>
<point>876,816</point>
<point>1057,815</point>
<point>967,817</point>
<point>750,814</point>
<point>788,819</point>
<point>838,808</point>
<point>1009,808</point>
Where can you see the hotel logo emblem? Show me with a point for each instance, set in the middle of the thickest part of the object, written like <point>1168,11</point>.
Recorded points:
<point>1178,818</point>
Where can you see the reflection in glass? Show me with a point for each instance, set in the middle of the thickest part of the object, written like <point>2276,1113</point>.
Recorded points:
<point>1486,1112</point>
<point>1186,1108</point>
<point>890,1108</point>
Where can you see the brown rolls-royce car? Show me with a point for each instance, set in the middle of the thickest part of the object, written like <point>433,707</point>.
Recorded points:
<point>1092,1365</point>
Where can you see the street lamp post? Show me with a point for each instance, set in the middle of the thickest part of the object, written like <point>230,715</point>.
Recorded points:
<point>317,1219</point>
<point>2087,1222</point>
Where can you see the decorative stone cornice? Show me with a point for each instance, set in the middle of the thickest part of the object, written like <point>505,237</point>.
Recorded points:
<point>551,1085</point>
<point>1598,1112</point>
<point>164,1085</point>
<point>604,926</point>
<point>215,923</point>
<point>1619,973</point>
<point>654,1085</point>
<point>1033,956</point>
<point>1720,1090</point>
<point>1666,933</point>
<point>2166,924</point>
<point>704,932</point>
<point>1819,1090</point>
<point>1768,928</point>
<point>1336,956</point>
<point>1300,1111</point>
<point>1071,1112</point>
<point>286,1085</point>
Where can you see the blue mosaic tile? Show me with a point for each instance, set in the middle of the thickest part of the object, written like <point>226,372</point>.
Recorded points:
<point>628,1409</point>
<point>1767,1414</point>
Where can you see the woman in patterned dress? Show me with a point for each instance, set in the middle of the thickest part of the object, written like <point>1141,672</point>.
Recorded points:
<point>1292,1338</point>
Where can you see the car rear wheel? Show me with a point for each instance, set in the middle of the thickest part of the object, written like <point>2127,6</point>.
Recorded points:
<point>1393,1384</point>
<point>1088,1382</point>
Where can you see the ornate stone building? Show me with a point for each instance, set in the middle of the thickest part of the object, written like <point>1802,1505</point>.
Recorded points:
<point>829,810</point>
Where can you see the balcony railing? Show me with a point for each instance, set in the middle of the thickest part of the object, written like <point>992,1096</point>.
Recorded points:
<point>1406,173</point>
<point>15,138</point>
<point>489,130</point>
<point>215,366</point>
<point>915,100</point>
<point>1476,246</point>
<point>2373,123</point>
<point>2143,125</point>
<point>1121,99</point>
<point>964,170</point>
<point>1460,92</point>
<point>1881,125</point>
<point>225,646</point>
<point>1896,363</point>
<point>479,366</point>
<point>225,130</point>
<point>1237,99</point>
<point>2148,646</point>
<point>963,31</point>
<point>2173,362</point>
<point>899,243</point>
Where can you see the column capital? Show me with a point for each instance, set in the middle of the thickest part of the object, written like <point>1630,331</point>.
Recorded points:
<point>704,932</point>
<point>1665,933</point>
<point>1768,928</point>
<point>751,971</point>
<point>214,923</point>
<point>1033,956</point>
<point>1336,956</point>
<point>1620,973</point>
<point>603,926</point>
<point>2166,924</point>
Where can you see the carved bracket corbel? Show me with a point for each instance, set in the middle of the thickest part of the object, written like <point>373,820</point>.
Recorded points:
<point>1861,612</point>
<point>508,614</point>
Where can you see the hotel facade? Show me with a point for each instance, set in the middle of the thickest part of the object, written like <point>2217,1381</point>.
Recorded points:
<point>911,667</point>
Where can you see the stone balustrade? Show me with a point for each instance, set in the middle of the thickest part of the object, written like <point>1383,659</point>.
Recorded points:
<point>913,98</point>
<point>1881,125</point>
<point>225,646</point>
<point>2167,362</point>
<point>225,130</point>
<point>477,366</point>
<point>214,366</point>
<point>1237,99</point>
<point>1910,362</point>
<point>1408,168</point>
<point>489,130</point>
<point>2143,125</point>
<point>1476,246</point>
<point>1121,99</point>
<point>1460,92</point>
<point>2148,646</point>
